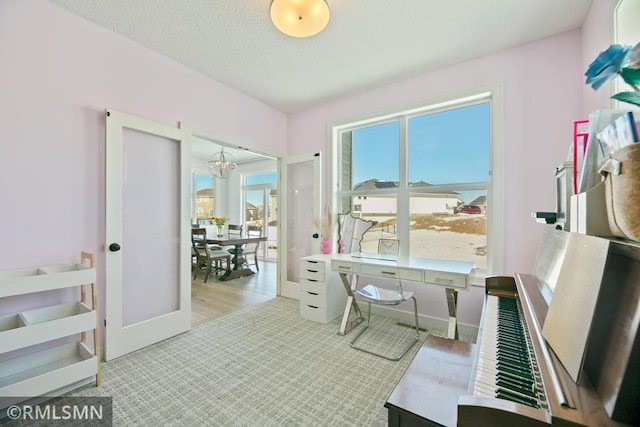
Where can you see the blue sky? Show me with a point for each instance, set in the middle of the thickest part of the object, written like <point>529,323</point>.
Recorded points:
<point>446,147</point>
<point>203,181</point>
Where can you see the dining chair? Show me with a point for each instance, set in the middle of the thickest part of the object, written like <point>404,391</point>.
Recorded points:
<point>205,256</point>
<point>252,248</point>
<point>235,230</point>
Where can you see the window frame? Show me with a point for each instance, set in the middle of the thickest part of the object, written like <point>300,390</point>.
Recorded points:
<point>495,188</point>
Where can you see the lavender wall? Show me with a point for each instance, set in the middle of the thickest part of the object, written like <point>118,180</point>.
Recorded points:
<point>58,74</point>
<point>544,92</point>
<point>542,96</point>
<point>596,37</point>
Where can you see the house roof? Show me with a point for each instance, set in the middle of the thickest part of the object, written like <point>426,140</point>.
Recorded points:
<point>373,184</point>
<point>479,201</point>
<point>205,192</point>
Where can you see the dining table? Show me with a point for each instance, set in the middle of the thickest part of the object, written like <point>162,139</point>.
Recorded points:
<point>240,269</point>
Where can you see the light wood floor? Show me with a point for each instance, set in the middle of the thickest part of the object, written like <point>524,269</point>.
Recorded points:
<point>215,298</point>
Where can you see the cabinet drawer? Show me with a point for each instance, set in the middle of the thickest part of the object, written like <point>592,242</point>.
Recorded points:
<point>344,267</point>
<point>449,280</point>
<point>392,272</point>
<point>312,299</point>
<point>312,285</point>
<point>312,270</point>
<point>317,314</point>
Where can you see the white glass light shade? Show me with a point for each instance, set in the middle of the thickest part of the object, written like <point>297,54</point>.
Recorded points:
<point>221,165</point>
<point>300,18</point>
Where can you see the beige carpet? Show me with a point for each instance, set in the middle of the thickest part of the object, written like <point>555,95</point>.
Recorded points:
<point>261,366</point>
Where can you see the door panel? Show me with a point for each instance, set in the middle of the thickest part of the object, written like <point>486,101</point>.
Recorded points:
<point>302,214</point>
<point>146,235</point>
<point>148,281</point>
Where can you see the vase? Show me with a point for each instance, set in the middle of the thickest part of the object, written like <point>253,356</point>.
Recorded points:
<point>325,245</point>
<point>220,230</point>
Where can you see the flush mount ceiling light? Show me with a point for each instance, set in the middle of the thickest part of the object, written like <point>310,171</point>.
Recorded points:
<point>300,18</point>
<point>221,165</point>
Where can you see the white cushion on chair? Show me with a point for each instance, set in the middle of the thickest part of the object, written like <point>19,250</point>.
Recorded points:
<point>218,254</point>
<point>383,296</point>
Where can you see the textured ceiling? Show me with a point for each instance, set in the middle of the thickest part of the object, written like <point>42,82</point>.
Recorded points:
<point>366,44</point>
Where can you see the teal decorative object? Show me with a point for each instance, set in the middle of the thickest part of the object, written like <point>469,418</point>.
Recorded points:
<point>616,61</point>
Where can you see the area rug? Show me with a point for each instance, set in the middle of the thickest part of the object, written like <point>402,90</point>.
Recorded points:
<point>261,366</point>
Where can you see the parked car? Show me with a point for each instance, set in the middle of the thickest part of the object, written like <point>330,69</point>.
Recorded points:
<point>469,209</point>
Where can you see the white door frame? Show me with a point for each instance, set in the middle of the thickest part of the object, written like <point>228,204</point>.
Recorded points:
<point>119,339</point>
<point>226,141</point>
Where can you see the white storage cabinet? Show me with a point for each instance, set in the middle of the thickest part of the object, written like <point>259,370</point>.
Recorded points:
<point>322,294</point>
<point>55,370</point>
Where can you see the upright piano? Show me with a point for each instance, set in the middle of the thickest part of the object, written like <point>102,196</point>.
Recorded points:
<point>559,346</point>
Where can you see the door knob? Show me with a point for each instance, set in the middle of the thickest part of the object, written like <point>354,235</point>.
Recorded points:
<point>315,235</point>
<point>114,247</point>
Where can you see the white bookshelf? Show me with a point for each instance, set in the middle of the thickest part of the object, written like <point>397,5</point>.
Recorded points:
<point>48,371</point>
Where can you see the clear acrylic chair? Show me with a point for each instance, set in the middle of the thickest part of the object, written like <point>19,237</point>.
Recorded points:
<point>382,296</point>
<point>388,246</point>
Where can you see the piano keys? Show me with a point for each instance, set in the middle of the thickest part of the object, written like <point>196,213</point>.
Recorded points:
<point>507,366</point>
<point>512,375</point>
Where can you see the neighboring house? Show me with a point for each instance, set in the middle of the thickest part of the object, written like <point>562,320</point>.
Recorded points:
<point>480,201</point>
<point>385,204</point>
<point>204,203</point>
<point>252,212</point>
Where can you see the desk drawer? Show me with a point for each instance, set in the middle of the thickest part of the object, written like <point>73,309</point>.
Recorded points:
<point>392,272</point>
<point>312,285</point>
<point>312,270</point>
<point>317,314</point>
<point>344,266</point>
<point>448,280</point>
<point>312,299</point>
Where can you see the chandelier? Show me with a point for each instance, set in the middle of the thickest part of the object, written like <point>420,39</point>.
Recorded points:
<point>300,18</point>
<point>221,165</point>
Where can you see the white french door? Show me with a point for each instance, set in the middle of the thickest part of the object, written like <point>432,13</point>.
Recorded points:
<point>301,180</point>
<point>148,287</point>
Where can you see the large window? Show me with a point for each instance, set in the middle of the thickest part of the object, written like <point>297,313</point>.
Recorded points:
<point>202,197</point>
<point>423,177</point>
<point>261,202</point>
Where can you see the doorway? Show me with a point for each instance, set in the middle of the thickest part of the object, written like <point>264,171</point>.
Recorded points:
<point>247,197</point>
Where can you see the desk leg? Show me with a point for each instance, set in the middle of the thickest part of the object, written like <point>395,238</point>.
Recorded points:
<point>346,325</point>
<point>452,304</point>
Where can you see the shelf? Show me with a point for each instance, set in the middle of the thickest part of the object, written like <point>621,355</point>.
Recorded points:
<point>56,369</point>
<point>31,327</point>
<point>18,282</point>
<point>45,371</point>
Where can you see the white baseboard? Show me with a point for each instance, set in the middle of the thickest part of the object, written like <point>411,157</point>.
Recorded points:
<point>465,331</point>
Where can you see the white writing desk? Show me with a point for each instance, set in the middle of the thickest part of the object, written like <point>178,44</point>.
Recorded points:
<point>451,275</point>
